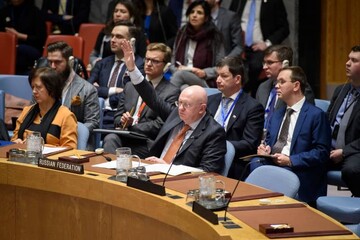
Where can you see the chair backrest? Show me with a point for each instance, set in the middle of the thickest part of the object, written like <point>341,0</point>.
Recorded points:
<point>48,28</point>
<point>89,32</point>
<point>2,104</point>
<point>76,42</point>
<point>83,136</point>
<point>8,43</point>
<point>17,85</point>
<point>322,104</point>
<point>229,157</point>
<point>275,179</point>
<point>211,91</point>
<point>97,136</point>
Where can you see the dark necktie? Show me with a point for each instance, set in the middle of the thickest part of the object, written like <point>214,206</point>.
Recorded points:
<point>176,144</point>
<point>114,75</point>
<point>281,142</point>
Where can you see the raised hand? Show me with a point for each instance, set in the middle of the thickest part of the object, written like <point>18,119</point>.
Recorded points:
<point>129,57</point>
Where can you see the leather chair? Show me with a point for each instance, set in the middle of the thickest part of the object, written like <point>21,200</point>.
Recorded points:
<point>83,136</point>
<point>89,32</point>
<point>76,42</point>
<point>8,42</point>
<point>229,157</point>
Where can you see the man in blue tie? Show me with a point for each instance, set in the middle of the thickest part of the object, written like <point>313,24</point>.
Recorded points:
<point>276,57</point>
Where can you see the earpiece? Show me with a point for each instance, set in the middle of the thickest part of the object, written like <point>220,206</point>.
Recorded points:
<point>166,67</point>
<point>285,63</point>
<point>71,61</point>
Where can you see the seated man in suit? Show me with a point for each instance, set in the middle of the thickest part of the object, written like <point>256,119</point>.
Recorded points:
<point>189,136</point>
<point>132,113</point>
<point>237,112</point>
<point>275,58</point>
<point>109,75</point>
<point>78,95</point>
<point>344,114</point>
<point>299,136</point>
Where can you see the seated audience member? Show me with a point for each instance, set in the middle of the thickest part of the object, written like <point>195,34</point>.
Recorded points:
<point>56,123</point>
<point>344,115</point>
<point>237,112</point>
<point>275,58</point>
<point>78,95</point>
<point>299,136</point>
<point>133,113</point>
<point>123,10</point>
<point>110,74</point>
<point>158,21</point>
<point>23,19</point>
<point>189,136</point>
<point>66,16</point>
<point>198,47</point>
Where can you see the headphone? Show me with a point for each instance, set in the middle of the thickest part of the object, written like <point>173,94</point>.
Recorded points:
<point>285,63</point>
<point>166,67</point>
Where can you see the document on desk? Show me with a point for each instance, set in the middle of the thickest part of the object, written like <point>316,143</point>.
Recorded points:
<point>174,171</point>
<point>48,151</point>
<point>112,164</point>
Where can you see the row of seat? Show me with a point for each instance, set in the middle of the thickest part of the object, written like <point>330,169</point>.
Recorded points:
<point>83,43</point>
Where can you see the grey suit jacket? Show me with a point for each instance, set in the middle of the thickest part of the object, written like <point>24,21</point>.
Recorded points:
<point>87,110</point>
<point>149,123</point>
<point>264,90</point>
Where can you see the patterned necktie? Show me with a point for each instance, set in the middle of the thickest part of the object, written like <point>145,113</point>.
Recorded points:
<point>176,143</point>
<point>250,25</point>
<point>115,74</point>
<point>281,142</point>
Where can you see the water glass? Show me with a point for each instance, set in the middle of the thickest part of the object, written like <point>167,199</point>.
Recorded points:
<point>34,145</point>
<point>210,196</point>
<point>123,163</point>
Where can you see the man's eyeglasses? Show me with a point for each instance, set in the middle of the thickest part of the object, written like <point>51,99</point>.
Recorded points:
<point>269,63</point>
<point>183,104</point>
<point>152,61</point>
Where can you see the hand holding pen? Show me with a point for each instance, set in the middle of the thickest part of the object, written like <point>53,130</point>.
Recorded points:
<point>127,119</point>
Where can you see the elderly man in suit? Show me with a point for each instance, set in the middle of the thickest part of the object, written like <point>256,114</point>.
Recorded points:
<point>344,114</point>
<point>189,136</point>
<point>264,23</point>
<point>299,136</point>
<point>275,58</point>
<point>110,74</point>
<point>78,95</point>
<point>241,116</point>
<point>133,113</point>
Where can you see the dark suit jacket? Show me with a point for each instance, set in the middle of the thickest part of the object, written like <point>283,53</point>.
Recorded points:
<point>101,74</point>
<point>149,123</point>
<point>273,19</point>
<point>229,24</point>
<point>310,149</point>
<point>264,90</point>
<point>352,136</point>
<point>206,146</point>
<point>246,123</point>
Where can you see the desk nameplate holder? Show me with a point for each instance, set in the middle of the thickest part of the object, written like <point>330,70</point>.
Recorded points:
<point>146,186</point>
<point>61,166</point>
<point>205,213</point>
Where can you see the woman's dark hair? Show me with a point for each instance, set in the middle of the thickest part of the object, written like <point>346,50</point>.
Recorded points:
<point>205,5</point>
<point>134,14</point>
<point>51,80</point>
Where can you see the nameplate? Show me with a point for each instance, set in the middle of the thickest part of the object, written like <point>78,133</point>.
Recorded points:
<point>61,166</point>
<point>146,186</point>
<point>205,213</point>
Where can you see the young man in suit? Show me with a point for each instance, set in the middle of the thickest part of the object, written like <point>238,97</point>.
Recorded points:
<point>110,74</point>
<point>189,136</point>
<point>78,95</point>
<point>132,112</point>
<point>241,116</point>
<point>275,58</point>
<point>270,26</point>
<point>344,115</point>
<point>298,137</point>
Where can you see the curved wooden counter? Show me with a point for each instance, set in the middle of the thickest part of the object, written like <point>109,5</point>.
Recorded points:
<point>39,203</point>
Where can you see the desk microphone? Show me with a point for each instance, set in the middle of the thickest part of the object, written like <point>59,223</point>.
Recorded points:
<point>237,184</point>
<point>171,164</point>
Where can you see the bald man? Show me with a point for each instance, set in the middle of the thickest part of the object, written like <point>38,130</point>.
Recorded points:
<point>204,144</point>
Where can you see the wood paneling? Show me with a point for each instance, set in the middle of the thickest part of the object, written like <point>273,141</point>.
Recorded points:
<point>340,31</point>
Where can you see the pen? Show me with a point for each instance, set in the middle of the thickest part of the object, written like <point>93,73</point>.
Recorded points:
<point>131,113</point>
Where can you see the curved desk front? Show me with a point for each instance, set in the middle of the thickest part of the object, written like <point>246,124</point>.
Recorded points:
<point>39,203</point>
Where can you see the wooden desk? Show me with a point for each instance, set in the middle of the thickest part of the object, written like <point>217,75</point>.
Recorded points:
<point>39,203</point>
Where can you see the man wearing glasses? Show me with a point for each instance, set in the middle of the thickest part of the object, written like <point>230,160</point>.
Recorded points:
<point>298,137</point>
<point>275,58</point>
<point>109,75</point>
<point>132,112</point>
<point>189,136</point>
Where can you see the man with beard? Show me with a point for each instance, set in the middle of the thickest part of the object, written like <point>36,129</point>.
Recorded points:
<point>78,95</point>
<point>110,74</point>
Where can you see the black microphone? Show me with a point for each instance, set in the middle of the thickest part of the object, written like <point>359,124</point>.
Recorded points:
<point>171,164</point>
<point>237,184</point>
